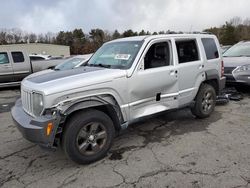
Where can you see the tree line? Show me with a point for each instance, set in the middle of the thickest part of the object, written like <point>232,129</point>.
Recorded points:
<point>79,42</point>
<point>231,32</point>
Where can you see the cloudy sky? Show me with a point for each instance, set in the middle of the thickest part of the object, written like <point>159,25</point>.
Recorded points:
<point>41,16</point>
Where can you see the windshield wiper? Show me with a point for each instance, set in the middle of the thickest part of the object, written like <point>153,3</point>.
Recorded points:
<point>99,65</point>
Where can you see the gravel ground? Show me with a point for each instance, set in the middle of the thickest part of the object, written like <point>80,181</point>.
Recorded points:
<point>169,150</point>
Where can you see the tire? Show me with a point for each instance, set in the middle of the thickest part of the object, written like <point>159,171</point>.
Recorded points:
<point>88,136</point>
<point>204,102</point>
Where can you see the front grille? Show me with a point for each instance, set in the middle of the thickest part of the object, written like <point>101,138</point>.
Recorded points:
<point>27,101</point>
<point>228,70</point>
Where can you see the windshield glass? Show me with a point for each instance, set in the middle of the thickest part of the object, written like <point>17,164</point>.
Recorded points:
<point>238,50</point>
<point>116,55</point>
<point>70,64</point>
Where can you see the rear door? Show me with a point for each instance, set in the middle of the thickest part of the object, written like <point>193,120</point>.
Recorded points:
<point>190,68</point>
<point>213,57</point>
<point>6,70</point>
<point>21,65</point>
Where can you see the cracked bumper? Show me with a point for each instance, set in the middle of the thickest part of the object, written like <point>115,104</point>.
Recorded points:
<point>34,129</point>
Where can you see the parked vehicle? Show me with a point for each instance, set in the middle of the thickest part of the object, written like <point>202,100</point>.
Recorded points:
<point>71,63</point>
<point>237,64</point>
<point>74,62</point>
<point>225,48</point>
<point>82,109</point>
<point>39,57</point>
<point>16,65</point>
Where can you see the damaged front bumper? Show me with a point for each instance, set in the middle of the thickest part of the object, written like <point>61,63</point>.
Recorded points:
<point>35,129</point>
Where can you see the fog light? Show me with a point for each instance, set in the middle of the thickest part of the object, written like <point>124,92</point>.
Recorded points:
<point>49,129</point>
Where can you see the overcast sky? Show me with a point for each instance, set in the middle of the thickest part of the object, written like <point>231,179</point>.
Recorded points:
<point>41,16</point>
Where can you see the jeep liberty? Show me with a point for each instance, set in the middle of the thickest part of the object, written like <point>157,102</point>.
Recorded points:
<point>126,79</point>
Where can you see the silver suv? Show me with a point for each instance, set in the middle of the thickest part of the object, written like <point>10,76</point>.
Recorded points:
<point>126,79</point>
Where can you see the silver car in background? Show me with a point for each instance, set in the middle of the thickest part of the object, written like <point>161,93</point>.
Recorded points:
<point>237,63</point>
<point>74,62</point>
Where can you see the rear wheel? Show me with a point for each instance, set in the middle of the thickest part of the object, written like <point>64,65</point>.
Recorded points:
<point>204,102</point>
<point>88,136</point>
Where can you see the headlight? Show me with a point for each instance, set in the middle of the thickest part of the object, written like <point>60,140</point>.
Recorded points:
<point>242,68</point>
<point>37,104</point>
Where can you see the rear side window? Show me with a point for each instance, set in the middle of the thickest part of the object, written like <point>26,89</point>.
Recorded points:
<point>187,51</point>
<point>17,57</point>
<point>210,48</point>
<point>4,58</point>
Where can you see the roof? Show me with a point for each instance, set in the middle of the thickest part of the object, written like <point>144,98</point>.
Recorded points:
<point>150,37</point>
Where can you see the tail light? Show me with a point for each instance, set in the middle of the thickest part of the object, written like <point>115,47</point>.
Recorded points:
<point>222,68</point>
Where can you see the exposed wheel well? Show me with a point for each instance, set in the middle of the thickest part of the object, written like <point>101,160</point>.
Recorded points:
<point>214,83</point>
<point>107,109</point>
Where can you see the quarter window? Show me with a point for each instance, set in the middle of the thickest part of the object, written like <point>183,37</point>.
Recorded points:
<point>210,48</point>
<point>17,57</point>
<point>187,51</point>
<point>158,55</point>
<point>4,58</point>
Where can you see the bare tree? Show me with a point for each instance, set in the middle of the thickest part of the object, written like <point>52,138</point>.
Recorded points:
<point>32,38</point>
<point>235,21</point>
<point>17,34</point>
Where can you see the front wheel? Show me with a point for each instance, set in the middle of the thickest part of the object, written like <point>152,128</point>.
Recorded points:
<point>88,136</point>
<point>204,102</point>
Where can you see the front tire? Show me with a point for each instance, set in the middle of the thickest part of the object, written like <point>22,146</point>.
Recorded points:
<point>205,101</point>
<point>88,136</point>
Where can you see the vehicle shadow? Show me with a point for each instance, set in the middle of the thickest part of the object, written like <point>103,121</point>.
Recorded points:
<point>161,128</point>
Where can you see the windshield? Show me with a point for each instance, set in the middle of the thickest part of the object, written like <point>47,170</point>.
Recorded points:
<point>238,50</point>
<point>70,64</point>
<point>116,55</point>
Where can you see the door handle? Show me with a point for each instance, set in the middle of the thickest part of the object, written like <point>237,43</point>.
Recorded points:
<point>201,66</point>
<point>7,66</point>
<point>173,72</point>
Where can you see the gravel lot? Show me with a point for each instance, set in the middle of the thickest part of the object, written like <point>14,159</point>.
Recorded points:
<point>169,150</point>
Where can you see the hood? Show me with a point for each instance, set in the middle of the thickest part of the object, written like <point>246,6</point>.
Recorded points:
<point>236,61</point>
<point>39,73</point>
<point>59,81</point>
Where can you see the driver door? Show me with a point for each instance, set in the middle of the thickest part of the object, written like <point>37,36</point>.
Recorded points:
<point>154,85</point>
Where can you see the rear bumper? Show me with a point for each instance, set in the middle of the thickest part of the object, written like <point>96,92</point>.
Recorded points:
<point>34,129</point>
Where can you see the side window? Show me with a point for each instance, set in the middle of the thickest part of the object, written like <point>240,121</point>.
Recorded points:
<point>210,48</point>
<point>187,51</point>
<point>4,58</point>
<point>158,55</point>
<point>17,57</point>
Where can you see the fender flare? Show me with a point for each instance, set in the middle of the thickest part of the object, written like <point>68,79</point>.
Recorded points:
<point>95,101</point>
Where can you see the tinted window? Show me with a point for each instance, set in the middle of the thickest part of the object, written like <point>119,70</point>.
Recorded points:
<point>36,58</point>
<point>17,57</point>
<point>4,58</point>
<point>210,48</point>
<point>158,55</point>
<point>187,51</point>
